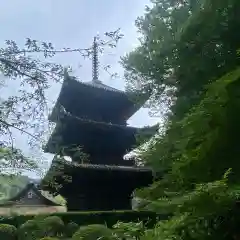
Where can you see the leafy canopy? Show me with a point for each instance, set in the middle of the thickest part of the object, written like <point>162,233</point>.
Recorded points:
<point>188,55</point>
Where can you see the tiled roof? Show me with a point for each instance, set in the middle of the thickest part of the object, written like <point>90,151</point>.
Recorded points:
<point>94,84</point>
<point>113,167</point>
<point>25,190</point>
<point>69,116</point>
<point>99,84</point>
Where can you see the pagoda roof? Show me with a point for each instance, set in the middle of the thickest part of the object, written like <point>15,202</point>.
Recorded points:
<point>114,168</point>
<point>72,129</point>
<point>99,84</point>
<point>107,167</point>
<point>82,131</point>
<point>23,193</point>
<point>83,173</point>
<point>94,93</point>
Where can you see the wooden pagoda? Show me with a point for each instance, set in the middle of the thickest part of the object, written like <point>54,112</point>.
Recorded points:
<point>93,116</point>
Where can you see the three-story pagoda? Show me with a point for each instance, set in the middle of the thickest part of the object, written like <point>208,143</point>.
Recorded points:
<point>93,116</point>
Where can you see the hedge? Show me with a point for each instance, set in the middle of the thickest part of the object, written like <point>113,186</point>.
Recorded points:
<point>84,218</point>
<point>8,232</point>
<point>92,232</point>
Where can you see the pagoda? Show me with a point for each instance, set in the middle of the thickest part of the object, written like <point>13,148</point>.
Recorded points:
<point>93,116</point>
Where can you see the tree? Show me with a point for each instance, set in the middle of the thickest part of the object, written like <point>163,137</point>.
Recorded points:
<point>33,72</point>
<point>151,67</point>
<point>182,49</point>
<point>198,149</point>
<point>201,188</point>
<point>184,46</point>
<point>12,158</point>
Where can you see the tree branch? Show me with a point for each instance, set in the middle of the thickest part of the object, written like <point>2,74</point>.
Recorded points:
<point>17,128</point>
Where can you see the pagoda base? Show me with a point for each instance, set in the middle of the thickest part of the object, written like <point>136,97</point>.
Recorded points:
<point>98,203</point>
<point>99,187</point>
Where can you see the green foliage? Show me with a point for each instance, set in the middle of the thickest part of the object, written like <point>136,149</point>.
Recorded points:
<point>52,225</point>
<point>56,172</point>
<point>8,232</point>
<point>49,238</point>
<point>83,218</point>
<point>93,232</point>
<point>30,230</point>
<point>182,50</point>
<point>202,184</point>
<point>188,60</point>
<point>150,68</point>
<point>129,230</point>
<point>40,227</point>
<point>76,152</point>
<point>201,140</point>
<point>196,58</point>
<point>12,158</point>
<point>70,229</point>
<point>60,200</point>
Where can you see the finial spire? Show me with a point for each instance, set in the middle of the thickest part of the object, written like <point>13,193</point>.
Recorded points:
<point>95,61</point>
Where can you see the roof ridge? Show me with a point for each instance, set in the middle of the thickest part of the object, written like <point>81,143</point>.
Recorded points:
<point>98,84</point>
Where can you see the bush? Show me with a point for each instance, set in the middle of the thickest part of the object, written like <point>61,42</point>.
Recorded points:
<point>49,238</point>
<point>52,226</point>
<point>8,232</point>
<point>39,217</point>
<point>99,217</point>
<point>93,232</point>
<point>108,217</point>
<point>129,230</point>
<point>70,229</point>
<point>16,220</point>
<point>41,227</point>
<point>30,230</point>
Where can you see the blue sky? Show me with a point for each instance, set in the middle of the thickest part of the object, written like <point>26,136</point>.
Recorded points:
<point>73,24</point>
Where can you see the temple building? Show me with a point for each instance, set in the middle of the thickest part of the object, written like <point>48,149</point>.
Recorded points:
<point>92,117</point>
<point>30,200</point>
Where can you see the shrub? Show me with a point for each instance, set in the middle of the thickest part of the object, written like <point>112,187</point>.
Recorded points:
<point>108,217</point>
<point>49,238</point>
<point>70,229</point>
<point>97,217</point>
<point>129,230</point>
<point>39,218</point>
<point>52,226</point>
<point>41,227</point>
<point>93,232</point>
<point>30,230</point>
<point>8,232</point>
